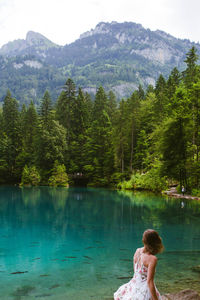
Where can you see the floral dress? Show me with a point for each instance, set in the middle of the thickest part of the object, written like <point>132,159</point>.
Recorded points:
<point>137,288</point>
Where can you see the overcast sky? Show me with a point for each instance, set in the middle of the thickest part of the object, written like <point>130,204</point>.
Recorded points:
<point>62,21</point>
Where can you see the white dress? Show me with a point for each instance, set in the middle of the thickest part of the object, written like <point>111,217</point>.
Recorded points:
<point>137,288</point>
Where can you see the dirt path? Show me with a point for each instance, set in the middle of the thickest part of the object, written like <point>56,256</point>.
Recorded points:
<point>172,192</point>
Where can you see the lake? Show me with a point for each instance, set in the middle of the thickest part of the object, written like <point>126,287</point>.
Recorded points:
<point>78,243</point>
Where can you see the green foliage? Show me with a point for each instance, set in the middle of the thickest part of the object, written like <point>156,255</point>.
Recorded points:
<point>153,135</point>
<point>98,148</point>
<point>118,178</point>
<point>4,163</point>
<point>45,111</point>
<point>59,176</point>
<point>191,74</point>
<point>51,145</point>
<point>196,192</point>
<point>30,176</point>
<point>11,134</point>
<point>151,180</point>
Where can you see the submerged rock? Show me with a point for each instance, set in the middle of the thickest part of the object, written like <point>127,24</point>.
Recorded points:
<point>196,269</point>
<point>43,295</point>
<point>183,295</point>
<point>54,286</point>
<point>22,291</point>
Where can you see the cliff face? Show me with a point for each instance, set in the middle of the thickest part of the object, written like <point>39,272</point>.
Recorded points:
<point>119,56</point>
<point>157,46</point>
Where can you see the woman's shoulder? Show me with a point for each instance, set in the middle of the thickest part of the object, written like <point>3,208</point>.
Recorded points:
<point>138,251</point>
<point>149,259</point>
<point>153,259</point>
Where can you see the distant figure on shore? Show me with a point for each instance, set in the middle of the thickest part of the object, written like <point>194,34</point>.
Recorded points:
<point>183,190</point>
<point>141,286</point>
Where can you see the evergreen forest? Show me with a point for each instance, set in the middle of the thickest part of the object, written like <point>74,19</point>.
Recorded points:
<point>147,141</point>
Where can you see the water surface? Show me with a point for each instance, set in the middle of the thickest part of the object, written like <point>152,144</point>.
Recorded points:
<point>78,243</point>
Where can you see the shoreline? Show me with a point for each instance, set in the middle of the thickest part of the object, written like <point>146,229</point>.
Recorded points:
<point>173,193</point>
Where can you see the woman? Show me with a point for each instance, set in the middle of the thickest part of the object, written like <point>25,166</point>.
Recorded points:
<point>141,286</point>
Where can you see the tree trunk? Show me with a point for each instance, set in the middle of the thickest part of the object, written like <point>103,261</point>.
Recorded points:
<point>122,159</point>
<point>132,145</point>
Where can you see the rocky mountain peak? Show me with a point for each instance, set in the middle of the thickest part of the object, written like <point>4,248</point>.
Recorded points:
<point>118,56</point>
<point>101,28</point>
<point>112,28</point>
<point>35,39</point>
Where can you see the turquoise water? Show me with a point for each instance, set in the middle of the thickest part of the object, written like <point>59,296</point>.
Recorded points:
<point>78,243</point>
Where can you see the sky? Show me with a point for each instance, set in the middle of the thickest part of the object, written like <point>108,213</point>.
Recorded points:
<point>62,21</point>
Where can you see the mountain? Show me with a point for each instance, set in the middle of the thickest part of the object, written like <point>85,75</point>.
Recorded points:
<point>34,43</point>
<point>119,56</point>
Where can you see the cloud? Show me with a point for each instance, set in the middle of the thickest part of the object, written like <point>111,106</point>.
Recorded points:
<point>5,8</point>
<point>62,21</point>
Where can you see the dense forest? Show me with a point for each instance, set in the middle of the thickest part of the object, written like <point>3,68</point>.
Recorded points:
<point>149,140</point>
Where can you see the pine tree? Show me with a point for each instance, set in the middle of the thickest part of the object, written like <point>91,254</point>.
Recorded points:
<point>161,99</point>
<point>120,137</point>
<point>195,132</point>
<point>65,115</point>
<point>173,82</point>
<point>11,126</point>
<point>50,146</point>
<point>65,106</point>
<point>174,138</point>
<point>99,146</point>
<point>81,122</point>
<point>191,74</point>
<point>46,111</point>
<point>112,106</point>
<point>140,93</point>
<point>29,124</point>
<point>133,106</point>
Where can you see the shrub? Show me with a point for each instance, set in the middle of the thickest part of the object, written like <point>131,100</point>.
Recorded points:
<point>118,178</point>
<point>59,176</point>
<point>30,176</point>
<point>196,192</point>
<point>151,180</point>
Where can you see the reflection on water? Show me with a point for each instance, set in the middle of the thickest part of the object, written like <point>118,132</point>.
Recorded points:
<point>78,243</point>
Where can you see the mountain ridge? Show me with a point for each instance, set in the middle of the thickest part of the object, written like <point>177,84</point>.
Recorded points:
<point>119,56</point>
<point>19,46</point>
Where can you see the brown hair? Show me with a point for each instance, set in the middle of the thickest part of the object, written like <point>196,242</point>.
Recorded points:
<point>152,241</point>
